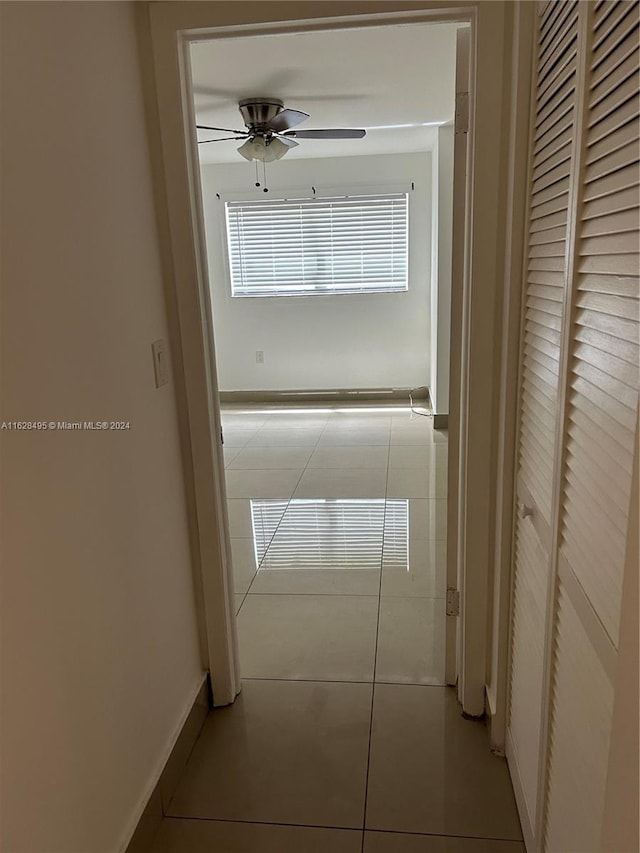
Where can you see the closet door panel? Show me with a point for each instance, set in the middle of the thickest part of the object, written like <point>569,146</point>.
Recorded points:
<point>542,322</point>
<point>603,379</point>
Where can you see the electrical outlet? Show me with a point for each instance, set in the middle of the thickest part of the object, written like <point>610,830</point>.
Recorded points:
<point>259,356</point>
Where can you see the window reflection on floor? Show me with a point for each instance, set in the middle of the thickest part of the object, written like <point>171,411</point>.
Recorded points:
<point>330,533</point>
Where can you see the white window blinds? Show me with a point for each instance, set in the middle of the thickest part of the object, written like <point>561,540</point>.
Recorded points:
<point>318,246</point>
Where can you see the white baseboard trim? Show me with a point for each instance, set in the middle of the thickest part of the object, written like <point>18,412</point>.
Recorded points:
<point>154,802</point>
<point>322,396</point>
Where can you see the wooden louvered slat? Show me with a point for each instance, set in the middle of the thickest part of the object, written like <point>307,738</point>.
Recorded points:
<point>626,199</point>
<point>555,175</point>
<point>615,327</point>
<point>609,184</point>
<point>610,103</point>
<point>591,421</point>
<point>559,114</point>
<point>624,112</point>
<point>554,205</point>
<point>584,431</point>
<point>556,263</point>
<point>542,289</point>
<point>556,194</point>
<point>581,712</point>
<point>557,234</point>
<point>536,464</point>
<point>558,99</point>
<point>543,332</point>
<point>594,394</point>
<point>546,143</point>
<point>545,250</point>
<point>553,26</point>
<point>626,351</point>
<point>556,153</point>
<point>614,397</point>
<point>608,40</point>
<point>548,14</point>
<point>553,53</point>
<point>613,223</point>
<point>623,49</point>
<point>616,285</point>
<point>606,362</point>
<point>539,415</point>
<point>544,284</point>
<point>618,74</point>
<point>556,81</point>
<point>614,19</point>
<point>607,551</point>
<point>620,138</point>
<point>616,264</point>
<point>612,162</point>
<point>551,220</point>
<point>608,306</point>
<point>593,475</point>
<point>538,387</point>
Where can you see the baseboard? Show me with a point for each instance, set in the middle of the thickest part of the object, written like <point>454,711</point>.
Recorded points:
<point>441,421</point>
<point>341,395</point>
<point>167,777</point>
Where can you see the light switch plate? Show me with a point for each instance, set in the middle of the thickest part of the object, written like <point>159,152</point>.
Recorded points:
<point>160,365</point>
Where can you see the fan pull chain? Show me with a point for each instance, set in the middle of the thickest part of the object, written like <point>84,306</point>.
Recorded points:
<point>264,174</point>
<point>257,176</point>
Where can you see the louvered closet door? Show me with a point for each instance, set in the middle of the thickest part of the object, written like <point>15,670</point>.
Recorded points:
<point>600,430</point>
<point>545,287</point>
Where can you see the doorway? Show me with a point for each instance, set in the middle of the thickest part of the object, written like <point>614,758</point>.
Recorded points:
<point>337,510</point>
<point>172,28</point>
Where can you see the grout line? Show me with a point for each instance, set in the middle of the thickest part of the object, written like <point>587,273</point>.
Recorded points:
<point>347,828</point>
<point>335,594</point>
<point>342,681</point>
<point>266,550</point>
<point>411,596</point>
<point>375,655</point>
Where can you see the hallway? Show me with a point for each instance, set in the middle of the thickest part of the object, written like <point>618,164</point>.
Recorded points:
<point>344,737</point>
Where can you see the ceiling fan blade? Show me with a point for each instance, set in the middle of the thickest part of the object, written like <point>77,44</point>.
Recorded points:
<point>327,133</point>
<point>288,141</point>
<point>222,129</point>
<point>286,119</point>
<point>222,139</point>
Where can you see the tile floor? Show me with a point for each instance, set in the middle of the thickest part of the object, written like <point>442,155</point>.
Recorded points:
<point>344,737</point>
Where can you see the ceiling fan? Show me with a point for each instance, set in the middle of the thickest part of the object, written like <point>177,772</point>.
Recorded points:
<point>269,135</point>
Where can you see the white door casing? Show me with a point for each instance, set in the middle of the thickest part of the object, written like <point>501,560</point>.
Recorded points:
<point>172,26</point>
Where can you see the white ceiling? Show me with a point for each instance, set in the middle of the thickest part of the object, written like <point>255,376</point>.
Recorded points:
<point>374,78</point>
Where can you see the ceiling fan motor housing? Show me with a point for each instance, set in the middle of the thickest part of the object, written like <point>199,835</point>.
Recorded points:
<point>258,112</point>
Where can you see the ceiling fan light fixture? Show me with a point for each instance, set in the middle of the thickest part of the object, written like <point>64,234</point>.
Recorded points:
<point>278,148</point>
<point>262,150</point>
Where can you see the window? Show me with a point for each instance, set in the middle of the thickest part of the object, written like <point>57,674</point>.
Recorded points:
<point>285,247</point>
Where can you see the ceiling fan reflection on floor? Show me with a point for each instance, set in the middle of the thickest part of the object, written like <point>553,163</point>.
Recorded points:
<point>269,135</point>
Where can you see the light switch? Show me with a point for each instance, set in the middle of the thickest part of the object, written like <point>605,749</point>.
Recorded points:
<point>160,365</point>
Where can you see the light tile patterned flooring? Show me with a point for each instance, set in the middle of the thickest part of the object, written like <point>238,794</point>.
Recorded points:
<point>344,737</point>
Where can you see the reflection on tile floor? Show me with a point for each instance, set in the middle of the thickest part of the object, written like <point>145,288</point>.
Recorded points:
<point>344,737</point>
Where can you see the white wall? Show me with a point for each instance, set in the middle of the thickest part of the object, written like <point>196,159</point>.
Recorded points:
<point>329,342</point>
<point>99,644</point>
<point>441,241</point>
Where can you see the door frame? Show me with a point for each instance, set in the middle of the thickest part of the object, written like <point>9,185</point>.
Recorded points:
<point>169,28</point>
